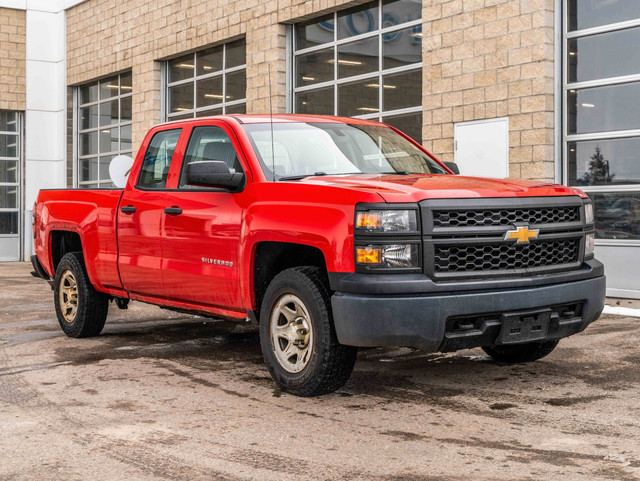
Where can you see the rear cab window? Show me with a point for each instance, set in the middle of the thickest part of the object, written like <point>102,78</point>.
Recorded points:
<point>157,159</point>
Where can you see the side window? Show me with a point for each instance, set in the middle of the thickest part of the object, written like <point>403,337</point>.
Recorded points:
<point>209,143</point>
<point>157,159</point>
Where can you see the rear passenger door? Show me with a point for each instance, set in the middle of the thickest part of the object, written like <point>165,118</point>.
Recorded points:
<point>202,228</point>
<point>141,218</point>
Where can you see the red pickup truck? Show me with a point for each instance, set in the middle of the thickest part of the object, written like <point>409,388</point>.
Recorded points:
<point>330,234</point>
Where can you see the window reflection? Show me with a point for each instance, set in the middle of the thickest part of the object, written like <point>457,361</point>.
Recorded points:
<point>104,127</point>
<point>8,145</point>
<point>236,54</point>
<point>9,197</point>
<point>8,171</point>
<point>395,12</point>
<point>357,58</point>
<point>603,109</point>
<point>402,47</point>
<point>401,90</point>
<point>357,99</point>
<point>8,222</point>
<point>358,20</point>
<point>109,88</point>
<point>603,56</point>
<point>604,162</point>
<point>593,13</point>
<point>8,121</point>
<point>209,91</point>
<point>410,124</point>
<point>617,215</point>
<point>210,60</point>
<point>216,76</point>
<point>314,32</point>
<point>315,102</point>
<point>314,67</point>
<point>385,40</point>
<point>89,117</point>
<point>181,68</point>
<point>181,97</point>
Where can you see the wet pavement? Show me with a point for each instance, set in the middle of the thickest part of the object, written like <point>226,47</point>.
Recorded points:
<point>161,395</point>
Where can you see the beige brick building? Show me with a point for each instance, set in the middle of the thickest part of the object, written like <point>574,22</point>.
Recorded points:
<point>543,90</point>
<point>481,59</point>
<point>12,59</point>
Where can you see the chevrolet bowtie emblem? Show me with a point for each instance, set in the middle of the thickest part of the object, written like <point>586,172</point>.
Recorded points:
<point>522,235</point>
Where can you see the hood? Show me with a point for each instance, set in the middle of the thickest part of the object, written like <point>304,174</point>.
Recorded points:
<point>417,187</point>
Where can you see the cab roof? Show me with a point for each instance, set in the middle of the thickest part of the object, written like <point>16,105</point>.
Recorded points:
<point>280,119</point>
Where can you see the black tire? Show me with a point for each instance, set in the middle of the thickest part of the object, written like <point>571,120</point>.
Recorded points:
<point>521,352</point>
<point>330,363</point>
<point>92,306</point>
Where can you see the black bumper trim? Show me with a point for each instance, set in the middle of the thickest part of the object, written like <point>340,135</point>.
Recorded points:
<point>402,284</point>
<point>419,321</point>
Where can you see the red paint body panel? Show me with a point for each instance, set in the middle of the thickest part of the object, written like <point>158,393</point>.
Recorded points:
<point>140,237</point>
<point>163,259</point>
<point>92,215</point>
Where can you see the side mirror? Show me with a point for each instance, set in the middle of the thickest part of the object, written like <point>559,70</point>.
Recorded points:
<point>213,173</point>
<point>453,167</point>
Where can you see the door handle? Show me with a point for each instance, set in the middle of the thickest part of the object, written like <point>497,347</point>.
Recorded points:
<point>173,210</point>
<point>127,209</point>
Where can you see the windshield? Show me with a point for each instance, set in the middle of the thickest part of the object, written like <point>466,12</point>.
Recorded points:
<point>302,149</point>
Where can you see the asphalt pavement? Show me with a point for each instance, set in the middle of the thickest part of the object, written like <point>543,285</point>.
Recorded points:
<point>161,395</point>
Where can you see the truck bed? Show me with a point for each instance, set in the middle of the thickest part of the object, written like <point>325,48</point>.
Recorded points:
<point>91,213</point>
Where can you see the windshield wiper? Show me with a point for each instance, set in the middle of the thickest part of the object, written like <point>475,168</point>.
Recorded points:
<point>319,174</point>
<point>302,176</point>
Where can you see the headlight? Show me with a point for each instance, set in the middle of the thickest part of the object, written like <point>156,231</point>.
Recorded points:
<point>588,213</point>
<point>387,221</point>
<point>589,244</point>
<point>391,255</point>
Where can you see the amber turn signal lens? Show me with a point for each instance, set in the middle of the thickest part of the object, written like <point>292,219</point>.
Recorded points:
<point>369,220</point>
<point>369,255</point>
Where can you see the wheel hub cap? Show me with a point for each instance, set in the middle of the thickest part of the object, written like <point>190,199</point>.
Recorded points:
<point>68,295</point>
<point>291,336</point>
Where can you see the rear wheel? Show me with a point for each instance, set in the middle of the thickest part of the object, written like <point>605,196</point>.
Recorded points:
<point>297,335</point>
<point>519,353</point>
<point>81,310</point>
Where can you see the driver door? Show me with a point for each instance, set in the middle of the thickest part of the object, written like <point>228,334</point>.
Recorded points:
<point>202,229</point>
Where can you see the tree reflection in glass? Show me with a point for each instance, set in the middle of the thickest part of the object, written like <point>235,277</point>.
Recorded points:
<point>598,172</point>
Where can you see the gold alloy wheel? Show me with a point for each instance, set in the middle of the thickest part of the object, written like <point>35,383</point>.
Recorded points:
<point>68,296</point>
<point>291,335</point>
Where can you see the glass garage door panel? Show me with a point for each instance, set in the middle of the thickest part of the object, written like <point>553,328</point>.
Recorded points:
<point>9,186</point>
<point>601,140</point>
<point>611,54</point>
<point>595,13</point>
<point>617,215</point>
<point>603,109</point>
<point>363,62</point>
<point>604,162</point>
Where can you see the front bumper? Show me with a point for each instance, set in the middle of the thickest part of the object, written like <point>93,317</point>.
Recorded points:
<point>429,320</point>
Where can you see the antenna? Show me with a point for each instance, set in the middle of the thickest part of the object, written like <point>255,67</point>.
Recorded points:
<point>273,157</point>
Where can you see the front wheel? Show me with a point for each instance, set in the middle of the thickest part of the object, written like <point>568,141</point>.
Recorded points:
<point>519,353</point>
<point>81,310</point>
<point>297,336</point>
